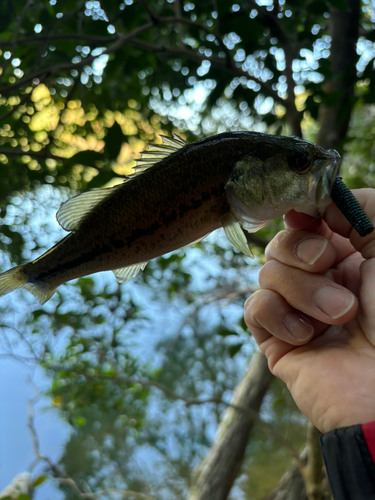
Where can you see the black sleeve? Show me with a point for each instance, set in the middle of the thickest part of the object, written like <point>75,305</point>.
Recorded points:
<point>350,469</point>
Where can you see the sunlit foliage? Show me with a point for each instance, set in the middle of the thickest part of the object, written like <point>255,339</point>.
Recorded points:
<point>84,86</point>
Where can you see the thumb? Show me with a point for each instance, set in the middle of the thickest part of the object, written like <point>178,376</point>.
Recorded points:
<point>366,246</point>
<point>366,312</point>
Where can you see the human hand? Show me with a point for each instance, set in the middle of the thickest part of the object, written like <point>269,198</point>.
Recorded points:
<point>314,315</point>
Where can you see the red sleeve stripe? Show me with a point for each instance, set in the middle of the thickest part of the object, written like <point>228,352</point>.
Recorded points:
<point>368,431</point>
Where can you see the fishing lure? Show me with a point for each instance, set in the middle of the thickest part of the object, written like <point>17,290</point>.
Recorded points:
<point>350,208</point>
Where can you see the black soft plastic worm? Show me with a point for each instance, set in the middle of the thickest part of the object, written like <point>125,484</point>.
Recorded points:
<point>350,208</point>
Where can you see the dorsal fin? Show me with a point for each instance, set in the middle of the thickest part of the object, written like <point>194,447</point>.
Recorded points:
<point>72,212</point>
<point>157,152</point>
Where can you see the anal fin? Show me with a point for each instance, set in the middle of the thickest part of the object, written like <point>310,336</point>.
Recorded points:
<point>126,274</point>
<point>40,292</point>
<point>198,240</point>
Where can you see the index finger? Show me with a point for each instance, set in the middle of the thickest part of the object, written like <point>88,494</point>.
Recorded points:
<point>336,228</point>
<point>285,245</point>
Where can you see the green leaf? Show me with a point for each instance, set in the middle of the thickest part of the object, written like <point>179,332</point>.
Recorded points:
<point>113,141</point>
<point>6,13</point>
<point>39,480</point>
<point>318,7</point>
<point>243,325</point>
<point>339,4</point>
<point>21,496</point>
<point>225,332</point>
<point>101,179</point>
<point>233,349</point>
<point>45,18</point>
<point>84,158</point>
<point>80,421</point>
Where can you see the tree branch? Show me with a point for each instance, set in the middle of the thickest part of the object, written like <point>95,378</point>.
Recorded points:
<point>221,466</point>
<point>249,412</point>
<point>344,32</point>
<point>61,476</point>
<point>7,345</point>
<point>291,485</point>
<point>227,65</point>
<point>42,155</point>
<point>154,18</point>
<point>25,99</point>
<point>313,471</point>
<point>271,22</point>
<point>98,40</point>
<point>14,41</point>
<point>60,68</point>
<point>218,63</point>
<point>178,14</point>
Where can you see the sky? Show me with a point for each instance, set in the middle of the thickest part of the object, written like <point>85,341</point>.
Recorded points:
<point>18,385</point>
<point>21,382</point>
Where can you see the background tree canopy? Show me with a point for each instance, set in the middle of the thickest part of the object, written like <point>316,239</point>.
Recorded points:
<point>143,373</point>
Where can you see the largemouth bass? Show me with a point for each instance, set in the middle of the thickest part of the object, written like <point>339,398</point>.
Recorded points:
<point>179,194</point>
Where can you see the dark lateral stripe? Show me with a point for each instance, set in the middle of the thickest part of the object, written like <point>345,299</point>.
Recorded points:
<point>61,268</point>
<point>117,242</point>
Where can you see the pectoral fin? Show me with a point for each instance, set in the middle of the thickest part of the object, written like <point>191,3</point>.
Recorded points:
<point>235,234</point>
<point>125,274</point>
<point>254,226</point>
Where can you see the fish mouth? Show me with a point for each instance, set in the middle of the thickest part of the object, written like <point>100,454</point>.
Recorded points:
<point>327,176</point>
<point>320,185</point>
<point>332,169</point>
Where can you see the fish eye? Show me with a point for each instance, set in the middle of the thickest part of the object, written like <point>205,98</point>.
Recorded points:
<point>299,162</point>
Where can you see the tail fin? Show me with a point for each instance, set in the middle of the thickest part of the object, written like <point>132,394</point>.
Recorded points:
<point>17,278</point>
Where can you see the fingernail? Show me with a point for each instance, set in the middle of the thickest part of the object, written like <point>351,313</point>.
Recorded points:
<point>310,249</point>
<point>333,302</point>
<point>298,327</point>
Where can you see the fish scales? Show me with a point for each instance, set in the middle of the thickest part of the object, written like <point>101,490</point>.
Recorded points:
<point>231,180</point>
<point>176,202</point>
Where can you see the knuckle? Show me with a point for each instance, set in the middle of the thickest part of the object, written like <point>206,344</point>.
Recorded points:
<point>268,271</point>
<point>255,307</point>
<point>274,246</point>
<point>250,308</point>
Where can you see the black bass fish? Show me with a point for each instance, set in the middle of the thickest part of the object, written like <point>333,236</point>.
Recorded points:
<point>179,193</point>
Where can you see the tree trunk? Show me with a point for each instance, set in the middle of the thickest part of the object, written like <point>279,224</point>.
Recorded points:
<point>291,486</point>
<point>221,466</point>
<point>313,472</point>
<point>335,116</point>
<point>305,480</point>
